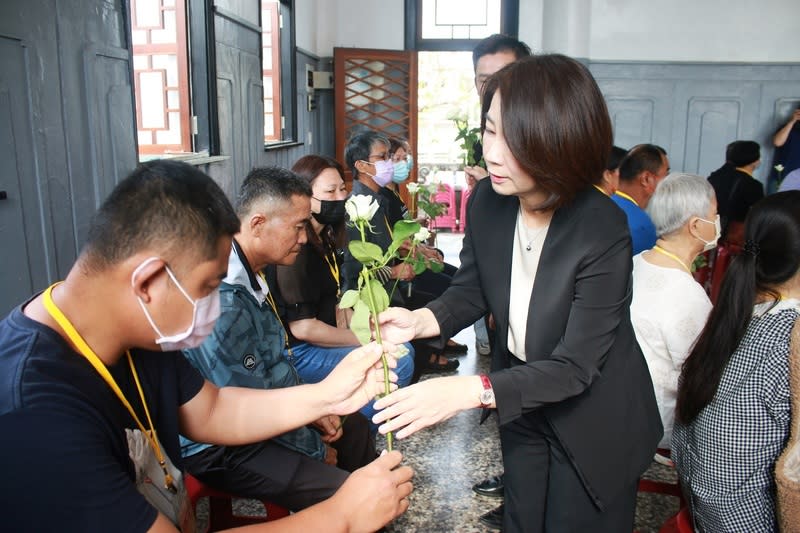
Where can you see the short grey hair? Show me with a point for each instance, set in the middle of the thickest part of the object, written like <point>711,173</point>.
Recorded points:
<point>677,198</point>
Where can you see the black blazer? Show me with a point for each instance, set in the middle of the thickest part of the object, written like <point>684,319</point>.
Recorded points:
<point>585,370</point>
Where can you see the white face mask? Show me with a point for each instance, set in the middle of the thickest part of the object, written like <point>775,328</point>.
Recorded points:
<point>205,312</point>
<point>710,245</point>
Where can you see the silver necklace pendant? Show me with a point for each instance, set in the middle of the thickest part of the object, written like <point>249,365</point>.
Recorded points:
<point>528,248</point>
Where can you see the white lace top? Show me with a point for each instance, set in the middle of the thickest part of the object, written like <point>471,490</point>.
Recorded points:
<point>668,312</point>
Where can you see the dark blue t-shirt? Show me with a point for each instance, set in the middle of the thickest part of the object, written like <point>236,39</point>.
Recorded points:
<point>64,462</point>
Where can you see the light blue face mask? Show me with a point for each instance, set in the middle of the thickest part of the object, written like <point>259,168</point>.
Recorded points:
<point>401,170</point>
<point>410,161</point>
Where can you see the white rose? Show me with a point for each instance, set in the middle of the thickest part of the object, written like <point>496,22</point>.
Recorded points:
<point>779,167</point>
<point>413,188</point>
<point>422,235</point>
<point>361,207</point>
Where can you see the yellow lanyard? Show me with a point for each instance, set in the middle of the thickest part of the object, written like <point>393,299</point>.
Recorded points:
<point>98,365</point>
<point>599,188</point>
<point>627,197</point>
<point>388,227</point>
<point>662,251</point>
<point>274,306</point>
<point>333,266</point>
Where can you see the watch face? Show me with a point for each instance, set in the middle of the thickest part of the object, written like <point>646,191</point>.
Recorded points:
<point>487,397</point>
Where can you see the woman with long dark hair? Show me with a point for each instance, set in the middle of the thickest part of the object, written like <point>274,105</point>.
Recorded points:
<point>550,257</point>
<point>733,407</point>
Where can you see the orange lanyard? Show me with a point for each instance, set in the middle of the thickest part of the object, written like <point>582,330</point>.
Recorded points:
<point>274,306</point>
<point>88,353</point>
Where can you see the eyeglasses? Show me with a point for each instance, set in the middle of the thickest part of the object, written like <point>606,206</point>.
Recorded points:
<point>378,157</point>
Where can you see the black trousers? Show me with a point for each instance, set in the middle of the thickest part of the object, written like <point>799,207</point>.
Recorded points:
<point>269,471</point>
<point>543,491</point>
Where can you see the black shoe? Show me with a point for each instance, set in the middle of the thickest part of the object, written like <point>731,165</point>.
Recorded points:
<point>435,366</point>
<point>494,518</point>
<point>491,487</point>
<point>454,348</point>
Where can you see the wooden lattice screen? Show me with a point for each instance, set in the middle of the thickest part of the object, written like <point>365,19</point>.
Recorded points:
<point>161,76</point>
<point>271,70</point>
<point>375,89</point>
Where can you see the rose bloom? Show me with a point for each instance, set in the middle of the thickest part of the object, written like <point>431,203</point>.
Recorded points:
<point>422,235</point>
<point>361,207</point>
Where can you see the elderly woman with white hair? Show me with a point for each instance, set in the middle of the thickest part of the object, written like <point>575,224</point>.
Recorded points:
<point>669,308</point>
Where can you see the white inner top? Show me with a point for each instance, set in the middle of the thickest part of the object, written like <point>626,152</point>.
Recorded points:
<point>524,264</point>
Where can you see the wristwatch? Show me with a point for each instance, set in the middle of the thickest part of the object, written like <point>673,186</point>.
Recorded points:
<point>487,396</point>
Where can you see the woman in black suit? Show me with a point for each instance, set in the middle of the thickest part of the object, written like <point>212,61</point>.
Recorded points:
<point>550,257</point>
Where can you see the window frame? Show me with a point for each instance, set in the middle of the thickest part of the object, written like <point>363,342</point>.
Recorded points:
<point>288,82</point>
<point>509,25</point>
<point>203,75</point>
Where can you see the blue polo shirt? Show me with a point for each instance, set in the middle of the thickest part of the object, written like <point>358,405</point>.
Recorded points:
<point>643,232</point>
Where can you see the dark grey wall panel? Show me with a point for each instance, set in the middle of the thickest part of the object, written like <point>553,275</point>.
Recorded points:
<point>67,126</point>
<point>29,258</point>
<point>632,117</point>
<point>326,143</point>
<point>241,107</point>
<point>709,123</point>
<point>695,110</point>
<point>109,108</point>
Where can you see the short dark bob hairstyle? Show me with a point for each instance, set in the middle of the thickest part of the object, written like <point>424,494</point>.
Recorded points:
<point>555,122</point>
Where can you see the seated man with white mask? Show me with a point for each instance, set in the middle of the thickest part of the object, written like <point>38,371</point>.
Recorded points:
<point>84,372</point>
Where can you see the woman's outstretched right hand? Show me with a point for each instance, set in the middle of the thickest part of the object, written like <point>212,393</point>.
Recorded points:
<point>398,325</point>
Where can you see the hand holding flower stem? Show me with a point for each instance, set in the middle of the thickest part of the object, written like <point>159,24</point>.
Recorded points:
<point>370,298</point>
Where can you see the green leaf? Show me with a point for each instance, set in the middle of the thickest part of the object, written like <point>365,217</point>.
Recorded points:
<point>403,229</point>
<point>349,299</point>
<point>359,323</point>
<point>380,295</point>
<point>419,266</point>
<point>365,252</point>
<point>436,266</point>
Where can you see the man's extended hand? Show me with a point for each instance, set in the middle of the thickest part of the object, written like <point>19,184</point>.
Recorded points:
<point>374,495</point>
<point>331,455</point>
<point>358,378</point>
<point>330,427</point>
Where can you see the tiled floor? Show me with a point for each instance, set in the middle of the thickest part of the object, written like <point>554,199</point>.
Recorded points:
<point>452,456</point>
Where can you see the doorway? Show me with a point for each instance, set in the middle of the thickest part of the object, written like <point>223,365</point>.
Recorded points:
<point>446,100</point>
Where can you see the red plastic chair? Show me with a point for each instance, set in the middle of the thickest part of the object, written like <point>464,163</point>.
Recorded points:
<point>220,507</point>
<point>662,487</point>
<point>678,522</point>
<point>448,219</point>
<point>462,212</point>
<point>723,257</point>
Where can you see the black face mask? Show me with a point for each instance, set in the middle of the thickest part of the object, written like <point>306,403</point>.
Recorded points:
<point>330,212</point>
